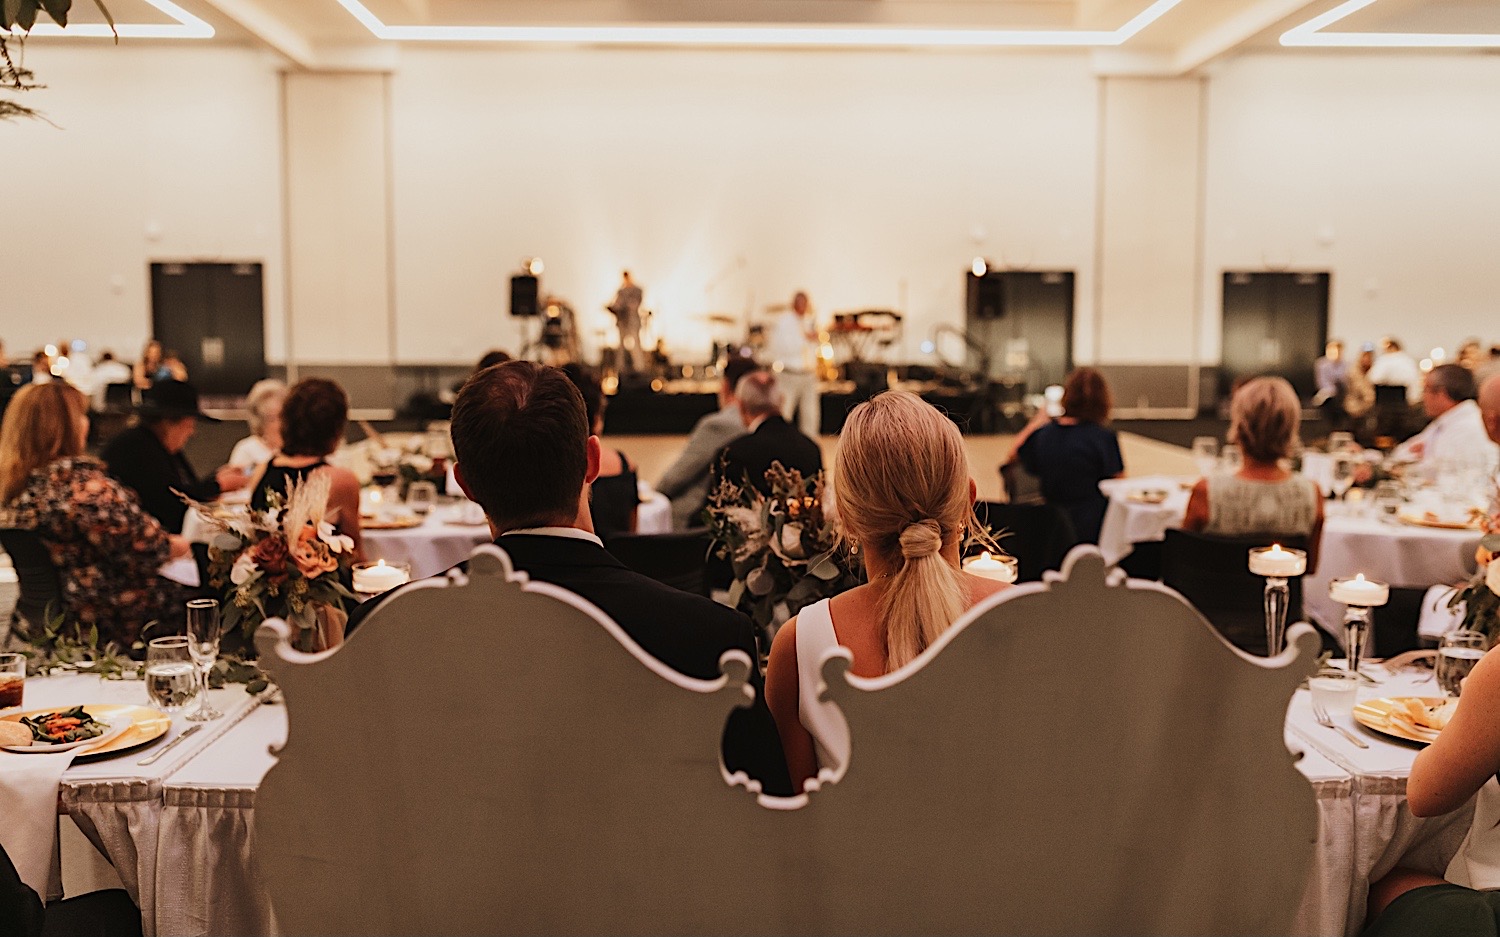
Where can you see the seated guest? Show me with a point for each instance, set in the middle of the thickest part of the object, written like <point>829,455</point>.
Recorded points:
<point>148,459</point>
<point>615,495</point>
<point>106,549</point>
<point>686,480</point>
<point>1456,434</point>
<point>1072,454</point>
<point>1394,367</point>
<point>905,499</point>
<point>1264,497</point>
<point>151,368</point>
<point>1331,374</point>
<point>1462,763</point>
<point>525,454</point>
<point>770,438</point>
<point>313,417</point>
<point>109,371</point>
<point>1489,407</point>
<point>491,358</point>
<point>264,406</point>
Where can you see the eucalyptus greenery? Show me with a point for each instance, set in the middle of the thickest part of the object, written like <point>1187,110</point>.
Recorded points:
<point>16,18</point>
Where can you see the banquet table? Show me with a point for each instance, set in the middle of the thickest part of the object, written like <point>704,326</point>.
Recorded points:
<point>1396,553</point>
<point>182,833</point>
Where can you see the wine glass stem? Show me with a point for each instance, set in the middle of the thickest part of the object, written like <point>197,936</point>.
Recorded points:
<point>1276,605</point>
<point>1356,632</point>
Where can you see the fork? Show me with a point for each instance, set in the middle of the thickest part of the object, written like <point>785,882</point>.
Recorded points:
<point>1327,722</point>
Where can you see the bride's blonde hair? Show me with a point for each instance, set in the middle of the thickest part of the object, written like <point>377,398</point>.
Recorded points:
<point>901,477</point>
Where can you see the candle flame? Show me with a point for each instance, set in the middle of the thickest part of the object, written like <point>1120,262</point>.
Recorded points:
<point>1359,577</point>
<point>987,556</point>
<point>380,562</point>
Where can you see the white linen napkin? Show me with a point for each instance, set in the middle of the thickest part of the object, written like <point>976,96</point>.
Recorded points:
<point>28,804</point>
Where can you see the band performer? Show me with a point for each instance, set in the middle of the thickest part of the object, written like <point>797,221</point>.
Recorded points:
<point>627,311</point>
<point>792,343</point>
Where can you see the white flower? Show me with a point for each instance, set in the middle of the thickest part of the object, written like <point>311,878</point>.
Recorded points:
<point>746,520</point>
<point>791,541</point>
<point>243,568</point>
<point>337,542</point>
<point>1492,576</point>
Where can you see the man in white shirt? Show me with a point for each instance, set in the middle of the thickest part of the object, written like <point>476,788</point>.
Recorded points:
<point>792,346</point>
<point>1456,436</point>
<point>1395,366</point>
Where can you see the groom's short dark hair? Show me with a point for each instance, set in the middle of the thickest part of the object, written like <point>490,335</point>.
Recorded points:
<point>521,439</point>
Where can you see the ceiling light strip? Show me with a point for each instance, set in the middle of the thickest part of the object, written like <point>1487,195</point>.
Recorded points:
<point>788,36</point>
<point>1310,34</point>
<point>187,26</point>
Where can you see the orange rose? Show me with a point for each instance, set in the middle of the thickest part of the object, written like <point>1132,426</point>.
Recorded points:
<point>1483,556</point>
<point>312,556</point>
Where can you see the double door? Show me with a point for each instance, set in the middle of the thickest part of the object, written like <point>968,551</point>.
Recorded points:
<point>213,316</point>
<point>1275,324</point>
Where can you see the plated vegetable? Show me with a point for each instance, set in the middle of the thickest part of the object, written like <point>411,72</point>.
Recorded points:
<point>69,725</point>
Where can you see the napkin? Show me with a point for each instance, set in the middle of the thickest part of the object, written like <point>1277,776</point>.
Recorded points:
<point>28,802</point>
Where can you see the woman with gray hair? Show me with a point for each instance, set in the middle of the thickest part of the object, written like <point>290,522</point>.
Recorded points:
<point>264,403</point>
<point>1264,497</point>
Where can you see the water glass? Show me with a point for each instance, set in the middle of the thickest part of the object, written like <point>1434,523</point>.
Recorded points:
<point>1334,690</point>
<point>421,496</point>
<point>12,679</point>
<point>1341,479</point>
<point>171,678</point>
<point>203,632</point>
<point>1231,458</point>
<point>1458,652</point>
<point>1388,499</point>
<point>1206,454</point>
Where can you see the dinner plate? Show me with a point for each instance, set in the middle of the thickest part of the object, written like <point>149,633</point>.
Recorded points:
<point>1441,523</point>
<point>391,523</point>
<point>1147,496</point>
<point>1376,714</point>
<point>138,725</point>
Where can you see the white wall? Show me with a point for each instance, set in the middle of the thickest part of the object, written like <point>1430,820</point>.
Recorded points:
<point>1383,169</point>
<point>159,153</point>
<point>725,181</point>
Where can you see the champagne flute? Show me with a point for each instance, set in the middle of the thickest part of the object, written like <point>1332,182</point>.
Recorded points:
<point>203,646</point>
<point>1206,454</point>
<point>171,678</point>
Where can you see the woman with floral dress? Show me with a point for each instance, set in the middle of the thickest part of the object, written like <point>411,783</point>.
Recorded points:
<point>106,549</point>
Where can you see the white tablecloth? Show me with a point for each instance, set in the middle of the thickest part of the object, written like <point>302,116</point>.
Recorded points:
<point>1396,553</point>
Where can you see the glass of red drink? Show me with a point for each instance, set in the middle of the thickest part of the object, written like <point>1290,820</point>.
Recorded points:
<point>12,679</point>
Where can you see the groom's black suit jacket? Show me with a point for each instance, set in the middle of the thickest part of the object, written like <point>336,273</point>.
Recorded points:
<point>686,632</point>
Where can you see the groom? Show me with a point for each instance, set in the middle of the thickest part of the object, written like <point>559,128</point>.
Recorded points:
<point>524,453</point>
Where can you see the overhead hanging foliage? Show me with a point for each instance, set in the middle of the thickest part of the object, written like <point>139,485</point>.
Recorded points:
<point>16,18</point>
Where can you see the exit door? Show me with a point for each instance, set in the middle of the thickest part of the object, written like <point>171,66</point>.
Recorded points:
<point>1275,324</point>
<point>213,316</point>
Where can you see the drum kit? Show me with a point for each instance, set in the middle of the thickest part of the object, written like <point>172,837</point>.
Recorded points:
<point>854,336</point>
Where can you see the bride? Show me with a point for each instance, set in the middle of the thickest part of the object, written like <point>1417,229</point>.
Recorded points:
<point>905,499</point>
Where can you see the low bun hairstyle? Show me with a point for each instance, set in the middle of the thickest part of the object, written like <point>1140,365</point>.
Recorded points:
<point>901,478</point>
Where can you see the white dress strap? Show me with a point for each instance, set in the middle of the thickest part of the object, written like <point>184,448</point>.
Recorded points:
<point>824,721</point>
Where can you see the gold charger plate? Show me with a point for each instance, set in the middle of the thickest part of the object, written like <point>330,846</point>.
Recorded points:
<point>395,523</point>
<point>1417,520</point>
<point>1147,496</point>
<point>146,724</point>
<point>1376,714</point>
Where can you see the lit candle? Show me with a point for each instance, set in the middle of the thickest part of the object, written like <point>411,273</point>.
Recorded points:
<point>1366,593</point>
<point>1278,561</point>
<point>1000,570</point>
<point>377,577</point>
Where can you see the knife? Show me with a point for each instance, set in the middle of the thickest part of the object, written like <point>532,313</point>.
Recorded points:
<point>151,759</point>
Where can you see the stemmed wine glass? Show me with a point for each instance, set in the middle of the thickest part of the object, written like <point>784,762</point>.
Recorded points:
<point>1342,477</point>
<point>203,644</point>
<point>1206,454</point>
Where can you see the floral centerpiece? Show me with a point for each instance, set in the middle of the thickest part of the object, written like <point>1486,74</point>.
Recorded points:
<point>285,562</point>
<point>1480,599</point>
<point>784,548</point>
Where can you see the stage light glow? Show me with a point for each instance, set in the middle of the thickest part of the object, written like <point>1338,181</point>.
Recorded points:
<point>187,26</point>
<point>778,35</point>
<point>1311,34</point>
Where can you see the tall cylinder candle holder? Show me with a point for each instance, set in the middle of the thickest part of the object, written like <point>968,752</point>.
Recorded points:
<point>1358,595</point>
<point>1277,564</point>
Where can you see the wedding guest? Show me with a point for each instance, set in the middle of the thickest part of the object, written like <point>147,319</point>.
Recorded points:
<point>171,362</point>
<point>1331,375</point>
<point>108,372</point>
<point>1395,366</point>
<point>1489,407</point>
<point>1264,497</point>
<point>525,454</point>
<point>1489,367</point>
<point>769,437</point>
<point>106,549</point>
<point>905,498</point>
<point>491,358</point>
<point>264,406</point>
<point>1073,453</point>
<point>1359,392</point>
<point>148,459</point>
<point>1459,766</point>
<point>41,368</point>
<point>313,417</point>
<point>686,479</point>
<point>150,368</point>
<point>615,495</point>
<point>1469,355</point>
<point>1456,434</point>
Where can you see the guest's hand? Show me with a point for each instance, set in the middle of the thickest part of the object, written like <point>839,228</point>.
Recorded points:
<point>179,546</point>
<point>231,477</point>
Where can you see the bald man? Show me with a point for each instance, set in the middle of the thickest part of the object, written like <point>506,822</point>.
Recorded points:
<point>1489,406</point>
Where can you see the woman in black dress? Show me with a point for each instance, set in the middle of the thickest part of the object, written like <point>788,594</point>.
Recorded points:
<point>614,497</point>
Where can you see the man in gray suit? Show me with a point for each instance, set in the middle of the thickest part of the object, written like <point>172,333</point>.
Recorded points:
<point>686,481</point>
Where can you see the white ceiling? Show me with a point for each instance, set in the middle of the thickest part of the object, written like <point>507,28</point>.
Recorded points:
<point>324,33</point>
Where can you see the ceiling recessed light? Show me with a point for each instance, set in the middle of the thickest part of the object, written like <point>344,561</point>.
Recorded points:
<point>871,37</point>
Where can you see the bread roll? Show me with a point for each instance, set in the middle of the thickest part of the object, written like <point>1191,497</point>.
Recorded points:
<point>13,733</point>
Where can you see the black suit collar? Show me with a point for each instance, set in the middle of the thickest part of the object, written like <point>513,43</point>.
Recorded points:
<point>541,550</point>
<point>772,424</point>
